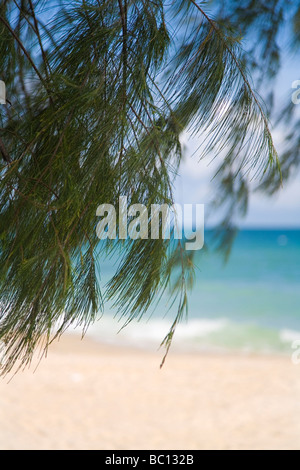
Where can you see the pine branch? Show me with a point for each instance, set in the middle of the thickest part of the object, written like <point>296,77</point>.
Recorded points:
<point>123,13</point>
<point>37,31</point>
<point>4,152</point>
<point>246,81</point>
<point>115,125</point>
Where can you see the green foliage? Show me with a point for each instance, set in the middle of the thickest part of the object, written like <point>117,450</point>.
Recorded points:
<point>99,93</point>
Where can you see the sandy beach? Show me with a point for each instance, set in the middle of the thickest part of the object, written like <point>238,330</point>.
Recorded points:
<point>86,395</point>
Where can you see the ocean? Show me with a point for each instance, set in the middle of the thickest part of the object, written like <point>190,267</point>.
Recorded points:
<point>250,304</point>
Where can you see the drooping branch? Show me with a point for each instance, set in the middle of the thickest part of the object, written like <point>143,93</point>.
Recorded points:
<point>123,14</point>
<point>244,77</point>
<point>37,31</point>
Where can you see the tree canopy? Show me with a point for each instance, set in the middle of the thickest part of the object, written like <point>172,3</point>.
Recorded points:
<point>99,94</point>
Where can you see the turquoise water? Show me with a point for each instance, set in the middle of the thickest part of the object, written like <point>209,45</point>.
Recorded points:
<point>251,303</point>
<point>260,282</point>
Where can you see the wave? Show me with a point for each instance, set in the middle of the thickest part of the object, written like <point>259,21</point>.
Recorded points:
<point>210,335</point>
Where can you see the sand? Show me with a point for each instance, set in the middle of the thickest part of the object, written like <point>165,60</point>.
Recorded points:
<point>86,395</point>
